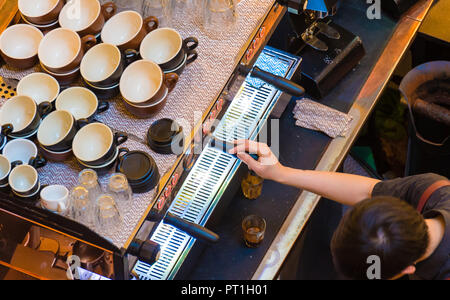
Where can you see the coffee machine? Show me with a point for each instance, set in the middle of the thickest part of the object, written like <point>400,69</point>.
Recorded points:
<point>328,50</point>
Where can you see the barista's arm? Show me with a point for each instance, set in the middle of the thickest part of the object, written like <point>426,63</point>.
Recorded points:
<point>344,188</point>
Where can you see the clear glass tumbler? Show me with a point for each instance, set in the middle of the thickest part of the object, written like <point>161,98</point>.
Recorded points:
<point>106,215</point>
<point>89,179</point>
<point>254,228</point>
<point>119,188</point>
<point>162,9</point>
<point>81,207</point>
<point>252,185</point>
<point>219,18</point>
<point>123,5</point>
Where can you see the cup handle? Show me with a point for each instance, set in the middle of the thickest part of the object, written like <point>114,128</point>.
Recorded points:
<point>88,41</point>
<point>151,23</point>
<point>122,150</point>
<point>102,107</point>
<point>44,109</point>
<point>190,44</point>
<point>131,56</point>
<point>81,123</point>
<point>7,129</point>
<point>16,163</point>
<point>109,9</point>
<point>171,80</point>
<point>62,207</point>
<point>120,138</point>
<point>37,162</point>
<point>192,56</point>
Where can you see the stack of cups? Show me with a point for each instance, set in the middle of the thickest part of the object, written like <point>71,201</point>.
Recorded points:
<point>42,14</point>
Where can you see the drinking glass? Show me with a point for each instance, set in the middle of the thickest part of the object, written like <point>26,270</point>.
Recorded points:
<point>88,178</point>
<point>106,215</point>
<point>123,5</point>
<point>252,185</point>
<point>162,9</point>
<point>219,18</point>
<point>254,228</point>
<point>119,188</point>
<point>180,10</point>
<point>81,206</point>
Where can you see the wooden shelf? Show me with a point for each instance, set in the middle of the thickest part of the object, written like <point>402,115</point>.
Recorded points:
<point>8,10</point>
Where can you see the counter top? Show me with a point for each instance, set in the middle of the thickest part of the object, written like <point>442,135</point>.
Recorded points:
<point>287,209</point>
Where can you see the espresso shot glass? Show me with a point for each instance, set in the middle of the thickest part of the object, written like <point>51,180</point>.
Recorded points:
<point>254,228</point>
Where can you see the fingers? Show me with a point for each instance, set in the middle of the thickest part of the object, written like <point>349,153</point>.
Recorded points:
<point>248,160</point>
<point>250,147</point>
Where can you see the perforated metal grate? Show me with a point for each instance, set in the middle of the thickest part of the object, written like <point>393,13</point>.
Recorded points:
<point>191,203</point>
<point>6,90</point>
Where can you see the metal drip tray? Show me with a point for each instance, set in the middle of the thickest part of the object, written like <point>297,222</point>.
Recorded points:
<point>214,169</point>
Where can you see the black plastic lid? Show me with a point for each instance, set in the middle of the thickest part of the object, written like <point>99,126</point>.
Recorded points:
<point>162,134</point>
<point>137,166</point>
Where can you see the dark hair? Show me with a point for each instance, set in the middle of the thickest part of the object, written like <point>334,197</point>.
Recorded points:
<point>384,226</point>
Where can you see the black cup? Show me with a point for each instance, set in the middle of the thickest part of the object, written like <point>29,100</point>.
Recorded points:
<point>6,130</point>
<point>164,135</point>
<point>14,180</point>
<point>140,169</point>
<point>43,109</point>
<point>106,93</point>
<point>16,112</point>
<point>188,59</point>
<point>38,162</point>
<point>105,168</point>
<point>64,144</point>
<point>90,132</point>
<point>189,45</point>
<point>4,181</point>
<point>81,102</point>
<point>172,41</point>
<point>126,58</point>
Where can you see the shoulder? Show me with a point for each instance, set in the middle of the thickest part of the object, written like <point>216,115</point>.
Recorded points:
<point>409,188</point>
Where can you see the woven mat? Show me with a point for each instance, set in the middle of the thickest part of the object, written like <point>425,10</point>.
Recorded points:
<point>315,116</point>
<point>199,85</point>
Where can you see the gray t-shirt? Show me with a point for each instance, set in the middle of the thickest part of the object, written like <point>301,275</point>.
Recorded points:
<point>411,189</point>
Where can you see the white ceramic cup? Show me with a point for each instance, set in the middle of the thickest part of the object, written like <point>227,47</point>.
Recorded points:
<point>40,87</point>
<point>80,102</point>
<point>24,181</point>
<point>55,198</point>
<point>20,150</point>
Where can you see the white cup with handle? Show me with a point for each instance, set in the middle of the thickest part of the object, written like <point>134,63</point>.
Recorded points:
<point>55,198</point>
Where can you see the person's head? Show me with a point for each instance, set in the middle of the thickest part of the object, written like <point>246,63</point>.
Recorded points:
<point>386,227</point>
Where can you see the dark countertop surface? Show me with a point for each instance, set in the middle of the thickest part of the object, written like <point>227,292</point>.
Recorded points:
<point>299,148</point>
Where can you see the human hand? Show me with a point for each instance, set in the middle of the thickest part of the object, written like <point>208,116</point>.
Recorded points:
<point>267,166</point>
